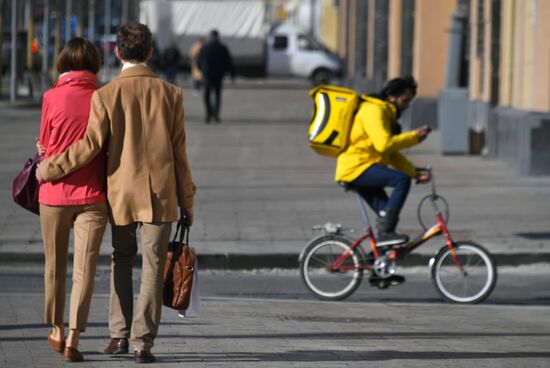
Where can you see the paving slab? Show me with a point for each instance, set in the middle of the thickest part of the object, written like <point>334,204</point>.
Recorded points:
<point>233,332</point>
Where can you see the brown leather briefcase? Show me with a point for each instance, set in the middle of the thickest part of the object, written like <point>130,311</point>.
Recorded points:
<point>178,271</point>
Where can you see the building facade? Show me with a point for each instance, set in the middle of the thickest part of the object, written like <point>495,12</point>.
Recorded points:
<point>509,86</point>
<point>501,60</point>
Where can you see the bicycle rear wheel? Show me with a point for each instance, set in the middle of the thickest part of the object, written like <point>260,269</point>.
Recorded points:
<point>470,286</point>
<point>324,282</point>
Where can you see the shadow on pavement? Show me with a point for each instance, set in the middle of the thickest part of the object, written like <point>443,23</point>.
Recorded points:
<point>344,355</point>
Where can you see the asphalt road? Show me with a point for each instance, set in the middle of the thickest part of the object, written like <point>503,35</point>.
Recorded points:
<point>524,285</point>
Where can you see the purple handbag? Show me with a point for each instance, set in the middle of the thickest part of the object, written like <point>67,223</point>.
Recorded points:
<point>25,186</point>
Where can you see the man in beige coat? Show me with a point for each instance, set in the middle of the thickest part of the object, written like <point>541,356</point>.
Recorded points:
<point>138,119</point>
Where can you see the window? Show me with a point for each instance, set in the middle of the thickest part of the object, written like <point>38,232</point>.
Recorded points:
<point>280,42</point>
<point>307,43</point>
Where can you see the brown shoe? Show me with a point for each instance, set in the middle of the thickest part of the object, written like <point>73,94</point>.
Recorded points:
<point>57,346</point>
<point>72,355</point>
<point>117,346</point>
<point>143,356</point>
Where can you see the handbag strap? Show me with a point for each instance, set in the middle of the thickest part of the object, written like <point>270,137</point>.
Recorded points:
<point>183,232</point>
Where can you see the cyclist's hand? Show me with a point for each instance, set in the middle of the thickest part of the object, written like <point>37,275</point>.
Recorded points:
<point>423,177</point>
<point>423,132</point>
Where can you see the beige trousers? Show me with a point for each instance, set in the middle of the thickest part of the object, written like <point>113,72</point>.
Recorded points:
<point>142,324</point>
<point>89,223</point>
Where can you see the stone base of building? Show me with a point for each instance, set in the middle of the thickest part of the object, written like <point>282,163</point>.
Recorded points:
<point>521,139</point>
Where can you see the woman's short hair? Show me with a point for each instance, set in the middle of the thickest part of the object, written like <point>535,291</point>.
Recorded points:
<point>134,40</point>
<point>79,54</point>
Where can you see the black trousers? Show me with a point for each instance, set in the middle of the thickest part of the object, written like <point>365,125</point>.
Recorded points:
<point>212,108</point>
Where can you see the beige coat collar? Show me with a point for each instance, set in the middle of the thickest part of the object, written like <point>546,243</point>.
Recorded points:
<point>137,71</point>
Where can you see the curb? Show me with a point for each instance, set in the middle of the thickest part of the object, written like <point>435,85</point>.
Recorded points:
<point>279,260</point>
<point>20,104</point>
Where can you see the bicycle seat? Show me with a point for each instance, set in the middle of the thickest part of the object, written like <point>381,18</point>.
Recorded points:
<point>346,186</point>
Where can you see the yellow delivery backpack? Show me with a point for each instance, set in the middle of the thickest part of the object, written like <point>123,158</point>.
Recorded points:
<point>333,112</point>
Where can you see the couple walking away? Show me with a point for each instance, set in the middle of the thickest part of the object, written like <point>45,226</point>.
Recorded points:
<point>122,144</point>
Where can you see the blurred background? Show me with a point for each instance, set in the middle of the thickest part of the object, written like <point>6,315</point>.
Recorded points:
<point>483,66</point>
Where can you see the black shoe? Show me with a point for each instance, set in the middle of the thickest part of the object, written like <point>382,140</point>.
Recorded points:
<point>117,346</point>
<point>143,356</point>
<point>217,118</point>
<point>386,223</point>
<point>384,283</point>
<point>385,239</point>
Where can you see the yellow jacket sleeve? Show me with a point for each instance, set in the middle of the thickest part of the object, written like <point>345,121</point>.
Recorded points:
<point>377,125</point>
<point>401,163</point>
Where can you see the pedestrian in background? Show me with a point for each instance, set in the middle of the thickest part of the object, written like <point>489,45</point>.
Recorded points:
<point>77,200</point>
<point>139,118</point>
<point>195,70</point>
<point>214,62</point>
<point>171,59</point>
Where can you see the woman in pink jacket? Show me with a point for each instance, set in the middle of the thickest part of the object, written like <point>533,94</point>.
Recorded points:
<point>77,200</point>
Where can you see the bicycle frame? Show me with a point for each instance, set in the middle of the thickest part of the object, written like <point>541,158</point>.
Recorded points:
<point>398,252</point>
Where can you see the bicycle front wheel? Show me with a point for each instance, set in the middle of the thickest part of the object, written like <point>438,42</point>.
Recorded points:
<point>317,274</point>
<point>471,285</point>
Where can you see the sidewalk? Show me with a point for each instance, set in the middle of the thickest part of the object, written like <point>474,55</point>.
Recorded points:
<point>260,189</point>
<point>276,333</point>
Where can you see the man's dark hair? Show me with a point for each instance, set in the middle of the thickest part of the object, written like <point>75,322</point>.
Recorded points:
<point>133,41</point>
<point>214,35</point>
<point>396,87</point>
<point>78,54</point>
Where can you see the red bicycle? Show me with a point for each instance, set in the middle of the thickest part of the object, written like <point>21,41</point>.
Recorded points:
<point>332,264</point>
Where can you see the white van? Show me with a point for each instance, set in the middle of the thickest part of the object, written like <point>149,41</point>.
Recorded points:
<point>292,52</point>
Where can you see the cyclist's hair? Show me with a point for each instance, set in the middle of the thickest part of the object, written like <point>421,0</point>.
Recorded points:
<point>398,86</point>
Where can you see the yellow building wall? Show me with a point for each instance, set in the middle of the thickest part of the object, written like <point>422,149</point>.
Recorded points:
<point>431,25</point>
<point>343,29</point>
<point>506,53</point>
<point>525,55</point>
<point>480,67</point>
<point>541,62</point>
<point>394,39</point>
<point>328,26</point>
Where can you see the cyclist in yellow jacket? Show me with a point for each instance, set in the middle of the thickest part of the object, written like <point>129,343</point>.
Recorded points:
<point>375,142</point>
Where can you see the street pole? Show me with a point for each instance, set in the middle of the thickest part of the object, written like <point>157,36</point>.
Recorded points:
<point>69,10</point>
<point>45,36</point>
<point>30,31</point>
<point>57,37</point>
<point>79,18</point>
<point>106,32</point>
<point>91,21</point>
<point>124,12</point>
<point>13,66</point>
<point>312,17</point>
<point>1,43</point>
<point>29,6</point>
